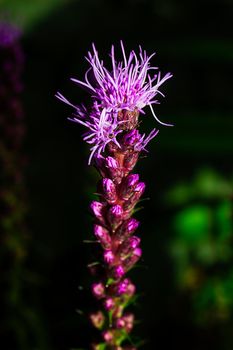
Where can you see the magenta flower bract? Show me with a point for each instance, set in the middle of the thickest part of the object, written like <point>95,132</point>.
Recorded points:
<point>117,99</point>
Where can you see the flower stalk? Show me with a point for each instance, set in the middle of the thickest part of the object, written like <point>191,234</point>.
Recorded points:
<point>119,97</point>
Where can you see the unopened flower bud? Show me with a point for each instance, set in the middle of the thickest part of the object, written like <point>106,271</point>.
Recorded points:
<point>108,336</point>
<point>137,193</point>
<point>128,186</point>
<point>115,215</point>
<point>109,190</point>
<point>117,272</point>
<point>114,169</point>
<point>126,229</point>
<point>98,290</point>
<point>129,245</point>
<point>129,321</point>
<point>120,323</point>
<point>131,289</point>
<point>103,236</point>
<point>109,257</point>
<point>97,319</point>
<point>97,210</point>
<point>140,188</point>
<point>132,180</point>
<point>109,304</point>
<point>122,286</point>
<point>132,259</point>
<point>130,160</point>
<point>125,287</point>
<point>112,163</point>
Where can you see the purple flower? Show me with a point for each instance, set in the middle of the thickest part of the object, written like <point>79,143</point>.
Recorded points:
<point>118,96</point>
<point>128,86</point>
<point>101,124</point>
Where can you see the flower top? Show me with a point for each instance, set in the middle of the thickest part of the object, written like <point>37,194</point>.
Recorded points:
<point>118,96</point>
<point>128,86</point>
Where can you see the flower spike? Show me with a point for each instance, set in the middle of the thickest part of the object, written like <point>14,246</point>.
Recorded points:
<point>118,97</point>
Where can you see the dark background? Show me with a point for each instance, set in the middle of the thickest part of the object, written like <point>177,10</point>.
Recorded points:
<point>193,40</point>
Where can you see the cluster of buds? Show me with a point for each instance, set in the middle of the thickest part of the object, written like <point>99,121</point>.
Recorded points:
<point>119,97</point>
<point>114,228</point>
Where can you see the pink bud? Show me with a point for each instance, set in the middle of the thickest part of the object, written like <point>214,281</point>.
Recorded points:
<point>134,241</point>
<point>108,336</point>
<point>131,289</point>
<point>112,163</point>
<point>126,229</point>
<point>109,304</point>
<point>109,257</point>
<point>130,160</point>
<point>129,185</point>
<point>132,225</point>
<point>115,215</point>
<point>129,245</point>
<point>123,285</point>
<point>132,259</point>
<point>103,236</point>
<point>109,190</point>
<point>117,272</point>
<point>132,180</point>
<point>140,187</point>
<point>129,321</point>
<point>137,193</point>
<point>137,252</point>
<point>120,323</point>
<point>126,287</point>
<point>97,210</point>
<point>114,169</point>
<point>98,290</point>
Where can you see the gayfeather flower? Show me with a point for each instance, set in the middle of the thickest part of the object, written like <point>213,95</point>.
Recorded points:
<point>128,86</point>
<point>118,96</point>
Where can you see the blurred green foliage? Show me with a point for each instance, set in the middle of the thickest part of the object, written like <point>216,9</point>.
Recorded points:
<point>202,245</point>
<point>26,13</point>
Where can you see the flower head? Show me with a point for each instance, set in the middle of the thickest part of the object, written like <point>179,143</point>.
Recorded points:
<point>118,96</point>
<point>128,86</point>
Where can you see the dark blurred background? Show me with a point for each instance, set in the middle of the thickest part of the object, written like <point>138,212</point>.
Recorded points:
<point>185,280</point>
